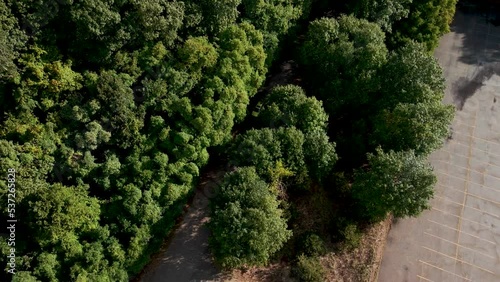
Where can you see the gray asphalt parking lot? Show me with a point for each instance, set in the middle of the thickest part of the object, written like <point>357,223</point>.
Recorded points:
<point>459,238</point>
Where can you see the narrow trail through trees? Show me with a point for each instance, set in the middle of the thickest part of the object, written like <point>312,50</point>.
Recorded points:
<point>185,255</point>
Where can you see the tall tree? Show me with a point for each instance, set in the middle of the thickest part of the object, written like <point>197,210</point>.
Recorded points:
<point>421,127</point>
<point>12,40</point>
<point>397,182</point>
<point>411,75</point>
<point>411,114</point>
<point>246,222</point>
<point>275,18</point>
<point>428,20</point>
<point>342,58</point>
<point>288,106</point>
<point>383,12</point>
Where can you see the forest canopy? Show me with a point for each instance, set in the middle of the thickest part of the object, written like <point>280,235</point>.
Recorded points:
<point>112,109</point>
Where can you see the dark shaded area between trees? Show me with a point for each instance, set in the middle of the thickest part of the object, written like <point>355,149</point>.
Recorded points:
<point>112,109</point>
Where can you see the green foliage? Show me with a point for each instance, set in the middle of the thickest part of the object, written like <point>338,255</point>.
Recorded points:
<point>308,269</point>
<point>341,58</point>
<point>389,99</point>
<point>67,210</point>
<point>218,14</point>
<point>382,12</point>
<point>427,22</point>
<point>288,106</point>
<point>420,127</point>
<point>411,75</point>
<point>278,174</point>
<point>247,225</point>
<point>275,18</point>
<point>397,182</point>
<point>311,245</point>
<point>24,276</point>
<point>351,236</point>
<point>274,15</point>
<point>319,154</point>
<point>109,111</point>
<point>240,68</point>
<point>12,40</point>
<point>154,20</point>
<point>262,148</point>
<point>413,116</point>
<point>110,108</point>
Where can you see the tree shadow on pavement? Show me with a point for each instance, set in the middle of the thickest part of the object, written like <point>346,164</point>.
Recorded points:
<point>480,46</point>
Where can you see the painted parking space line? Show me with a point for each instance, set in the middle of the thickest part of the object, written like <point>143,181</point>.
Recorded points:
<point>459,260</point>
<point>494,214</point>
<point>458,245</point>
<point>449,175</point>
<point>458,239</point>
<point>454,215</point>
<point>443,270</point>
<point>423,278</point>
<point>468,234</point>
<point>478,162</point>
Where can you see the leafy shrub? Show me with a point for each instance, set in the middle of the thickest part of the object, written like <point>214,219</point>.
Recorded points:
<point>346,232</point>
<point>351,236</point>
<point>247,225</point>
<point>262,148</point>
<point>309,269</point>
<point>311,244</point>
<point>397,182</point>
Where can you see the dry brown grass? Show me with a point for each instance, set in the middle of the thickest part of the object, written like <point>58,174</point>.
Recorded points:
<point>360,264</point>
<point>273,273</point>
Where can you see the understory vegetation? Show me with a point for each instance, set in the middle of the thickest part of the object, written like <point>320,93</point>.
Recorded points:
<point>113,109</point>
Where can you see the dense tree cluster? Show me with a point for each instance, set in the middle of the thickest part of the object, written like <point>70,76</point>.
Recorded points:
<point>247,224</point>
<point>293,147</point>
<point>424,21</point>
<point>427,21</point>
<point>391,99</point>
<point>397,182</point>
<point>111,107</point>
<point>382,95</point>
<point>294,132</point>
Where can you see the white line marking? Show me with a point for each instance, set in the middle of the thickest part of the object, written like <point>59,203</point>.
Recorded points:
<point>458,245</point>
<point>474,137</point>
<point>449,227</point>
<point>444,270</point>
<point>459,260</point>
<point>423,278</point>
<point>466,168</point>
<point>484,199</point>
<point>462,179</point>
<point>475,148</point>
<point>449,187</point>
<point>445,212</point>
<point>466,206</point>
